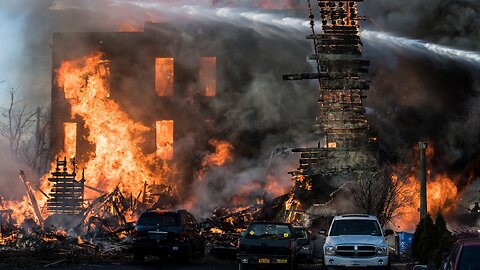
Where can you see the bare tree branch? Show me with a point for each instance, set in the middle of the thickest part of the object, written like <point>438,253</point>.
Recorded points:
<point>25,132</point>
<point>382,193</point>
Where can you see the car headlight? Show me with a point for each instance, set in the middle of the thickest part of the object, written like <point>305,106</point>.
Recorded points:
<point>382,250</point>
<point>307,247</point>
<point>329,250</point>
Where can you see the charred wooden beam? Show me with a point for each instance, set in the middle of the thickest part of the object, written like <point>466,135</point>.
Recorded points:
<point>301,76</point>
<point>31,196</point>
<point>66,196</point>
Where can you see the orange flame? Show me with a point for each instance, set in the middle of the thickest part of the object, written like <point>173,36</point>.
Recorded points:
<point>221,156</point>
<point>275,188</point>
<point>118,159</point>
<point>70,141</point>
<point>441,196</point>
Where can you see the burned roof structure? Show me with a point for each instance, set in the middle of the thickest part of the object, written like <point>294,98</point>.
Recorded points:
<point>346,146</point>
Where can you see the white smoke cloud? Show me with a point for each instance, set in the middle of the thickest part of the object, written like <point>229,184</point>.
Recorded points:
<point>423,47</point>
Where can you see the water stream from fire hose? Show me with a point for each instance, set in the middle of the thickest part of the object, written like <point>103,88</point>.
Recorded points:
<point>420,46</point>
<point>245,16</point>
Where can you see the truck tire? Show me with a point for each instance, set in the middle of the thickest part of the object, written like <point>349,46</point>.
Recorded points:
<point>242,266</point>
<point>201,252</point>
<point>293,265</point>
<point>189,256</point>
<point>138,257</point>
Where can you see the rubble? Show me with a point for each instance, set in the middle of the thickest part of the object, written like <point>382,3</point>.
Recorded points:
<point>223,229</point>
<point>101,227</point>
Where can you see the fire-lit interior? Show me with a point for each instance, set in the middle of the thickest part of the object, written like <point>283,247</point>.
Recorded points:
<point>164,139</point>
<point>208,76</point>
<point>70,139</point>
<point>164,76</point>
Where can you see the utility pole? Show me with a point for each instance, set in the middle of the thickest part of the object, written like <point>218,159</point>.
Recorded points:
<point>423,180</point>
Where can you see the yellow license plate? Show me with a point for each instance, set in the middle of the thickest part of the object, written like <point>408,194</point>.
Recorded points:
<point>264,261</point>
<point>282,261</point>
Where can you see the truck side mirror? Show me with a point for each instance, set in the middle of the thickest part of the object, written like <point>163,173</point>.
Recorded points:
<point>322,232</point>
<point>444,256</point>
<point>388,232</point>
<point>298,234</point>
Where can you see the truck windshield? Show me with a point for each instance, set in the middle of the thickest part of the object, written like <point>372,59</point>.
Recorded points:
<point>159,219</point>
<point>355,227</point>
<point>269,231</point>
<point>469,258</point>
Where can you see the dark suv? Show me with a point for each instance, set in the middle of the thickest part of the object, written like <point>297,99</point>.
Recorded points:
<point>167,234</point>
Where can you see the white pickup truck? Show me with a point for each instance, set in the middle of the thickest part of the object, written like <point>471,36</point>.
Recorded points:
<point>356,241</point>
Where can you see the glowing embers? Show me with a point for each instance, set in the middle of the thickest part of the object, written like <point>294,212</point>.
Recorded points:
<point>164,139</point>
<point>343,96</point>
<point>332,145</point>
<point>70,139</point>
<point>208,76</point>
<point>164,75</point>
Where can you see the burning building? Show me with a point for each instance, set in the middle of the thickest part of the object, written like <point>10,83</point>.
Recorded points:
<point>346,146</point>
<point>147,105</point>
<point>150,112</point>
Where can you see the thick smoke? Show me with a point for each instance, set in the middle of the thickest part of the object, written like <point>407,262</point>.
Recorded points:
<point>420,96</point>
<point>260,112</point>
<point>413,97</point>
<point>448,22</point>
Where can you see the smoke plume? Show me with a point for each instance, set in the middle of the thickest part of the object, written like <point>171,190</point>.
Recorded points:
<point>413,96</point>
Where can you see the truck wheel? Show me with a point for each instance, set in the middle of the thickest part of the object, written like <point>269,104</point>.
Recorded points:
<point>201,252</point>
<point>189,255</point>
<point>293,265</point>
<point>138,257</point>
<point>242,266</point>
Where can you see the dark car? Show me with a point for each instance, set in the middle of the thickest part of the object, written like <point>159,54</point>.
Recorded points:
<point>268,243</point>
<point>464,255</point>
<point>167,234</point>
<point>304,245</point>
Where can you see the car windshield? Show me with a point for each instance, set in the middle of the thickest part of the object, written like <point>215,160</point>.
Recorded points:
<point>302,232</point>
<point>269,231</point>
<point>469,260</point>
<point>158,219</point>
<point>355,227</point>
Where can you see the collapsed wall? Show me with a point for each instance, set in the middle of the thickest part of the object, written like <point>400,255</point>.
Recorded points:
<point>346,146</point>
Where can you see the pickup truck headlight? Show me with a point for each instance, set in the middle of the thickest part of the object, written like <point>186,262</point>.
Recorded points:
<point>305,249</point>
<point>329,250</point>
<point>382,250</point>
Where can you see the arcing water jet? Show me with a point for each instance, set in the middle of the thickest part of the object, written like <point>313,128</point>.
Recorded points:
<point>420,46</point>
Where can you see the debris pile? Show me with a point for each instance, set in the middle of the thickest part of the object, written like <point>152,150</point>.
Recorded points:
<point>100,227</point>
<point>223,229</point>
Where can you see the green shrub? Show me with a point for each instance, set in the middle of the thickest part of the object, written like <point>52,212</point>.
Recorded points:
<point>431,240</point>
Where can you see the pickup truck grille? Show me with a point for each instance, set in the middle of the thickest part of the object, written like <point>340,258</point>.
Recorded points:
<point>360,251</point>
